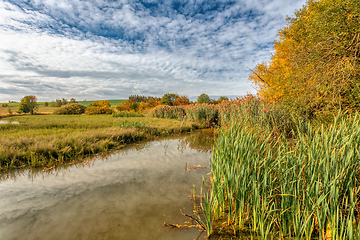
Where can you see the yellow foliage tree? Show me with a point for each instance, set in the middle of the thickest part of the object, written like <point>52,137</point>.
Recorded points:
<point>315,67</point>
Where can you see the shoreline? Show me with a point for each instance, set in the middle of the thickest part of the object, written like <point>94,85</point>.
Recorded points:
<point>50,140</point>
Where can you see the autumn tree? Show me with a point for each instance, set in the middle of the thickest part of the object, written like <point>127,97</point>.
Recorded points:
<point>181,100</point>
<point>315,67</point>
<point>28,105</point>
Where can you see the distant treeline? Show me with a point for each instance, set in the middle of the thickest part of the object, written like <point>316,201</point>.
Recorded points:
<point>138,98</point>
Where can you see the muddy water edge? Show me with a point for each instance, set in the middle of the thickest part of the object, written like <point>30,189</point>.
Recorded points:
<point>129,194</point>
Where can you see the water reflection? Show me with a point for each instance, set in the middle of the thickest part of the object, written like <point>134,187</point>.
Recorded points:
<point>126,195</point>
<point>7,122</point>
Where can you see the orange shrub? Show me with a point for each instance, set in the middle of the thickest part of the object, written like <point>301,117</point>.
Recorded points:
<point>99,107</point>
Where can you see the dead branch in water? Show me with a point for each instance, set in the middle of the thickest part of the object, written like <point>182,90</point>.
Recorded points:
<point>193,218</point>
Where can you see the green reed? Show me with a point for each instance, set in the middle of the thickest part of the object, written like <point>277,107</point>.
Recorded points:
<point>307,187</point>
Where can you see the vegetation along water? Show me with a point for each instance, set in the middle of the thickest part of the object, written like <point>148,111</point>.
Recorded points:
<point>285,163</point>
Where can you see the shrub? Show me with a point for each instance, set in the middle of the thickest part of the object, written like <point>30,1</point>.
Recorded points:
<point>99,107</point>
<point>70,109</point>
<point>122,107</point>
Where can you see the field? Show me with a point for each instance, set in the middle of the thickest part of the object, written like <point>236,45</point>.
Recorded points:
<point>47,140</point>
<point>4,111</point>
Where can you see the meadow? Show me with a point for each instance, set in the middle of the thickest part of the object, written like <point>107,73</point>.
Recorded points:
<point>14,106</point>
<point>47,140</point>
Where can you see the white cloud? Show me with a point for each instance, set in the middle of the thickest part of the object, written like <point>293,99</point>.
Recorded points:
<point>102,50</point>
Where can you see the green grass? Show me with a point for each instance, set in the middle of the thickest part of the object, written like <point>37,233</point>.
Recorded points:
<point>128,114</point>
<point>86,103</point>
<point>46,140</point>
<point>48,110</point>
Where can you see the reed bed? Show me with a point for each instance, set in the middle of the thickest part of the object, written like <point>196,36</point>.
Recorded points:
<point>269,118</point>
<point>206,115</point>
<point>303,188</point>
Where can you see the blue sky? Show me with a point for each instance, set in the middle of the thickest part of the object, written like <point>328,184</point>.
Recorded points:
<point>110,49</point>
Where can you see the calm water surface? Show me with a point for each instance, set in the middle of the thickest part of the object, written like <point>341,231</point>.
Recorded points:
<point>127,195</point>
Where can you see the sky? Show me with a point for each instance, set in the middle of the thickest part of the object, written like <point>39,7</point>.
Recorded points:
<point>111,49</point>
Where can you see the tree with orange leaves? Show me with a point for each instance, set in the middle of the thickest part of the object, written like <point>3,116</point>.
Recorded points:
<point>316,64</point>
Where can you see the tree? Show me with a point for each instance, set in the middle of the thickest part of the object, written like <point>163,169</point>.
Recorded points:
<point>57,103</point>
<point>222,98</point>
<point>203,98</point>
<point>64,102</point>
<point>181,100</point>
<point>316,65</point>
<point>28,105</point>
<point>168,99</point>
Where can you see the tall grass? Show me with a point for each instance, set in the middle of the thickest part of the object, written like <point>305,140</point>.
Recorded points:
<point>307,187</point>
<point>267,117</point>
<point>205,114</point>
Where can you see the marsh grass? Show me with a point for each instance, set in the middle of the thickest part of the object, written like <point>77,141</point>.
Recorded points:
<point>303,188</point>
<point>204,114</point>
<point>268,118</point>
<point>128,114</point>
<point>46,140</point>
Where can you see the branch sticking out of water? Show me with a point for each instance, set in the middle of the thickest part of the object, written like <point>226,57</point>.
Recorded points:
<point>193,218</point>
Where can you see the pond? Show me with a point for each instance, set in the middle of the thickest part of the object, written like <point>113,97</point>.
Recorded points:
<point>129,194</point>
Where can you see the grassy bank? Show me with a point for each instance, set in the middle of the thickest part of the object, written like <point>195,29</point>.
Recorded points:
<point>46,140</point>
